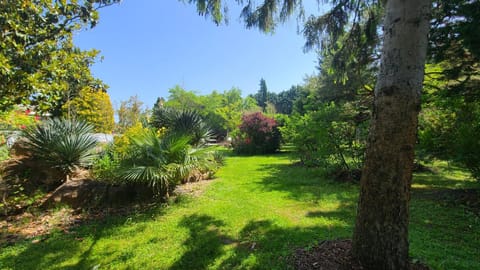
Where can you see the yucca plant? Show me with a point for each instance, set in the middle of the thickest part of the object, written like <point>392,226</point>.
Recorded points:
<point>162,162</point>
<point>61,144</point>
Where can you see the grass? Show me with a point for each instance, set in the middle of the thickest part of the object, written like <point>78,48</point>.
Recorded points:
<point>252,217</point>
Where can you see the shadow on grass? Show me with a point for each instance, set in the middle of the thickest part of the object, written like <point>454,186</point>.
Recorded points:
<point>52,251</point>
<point>432,181</point>
<point>447,187</point>
<point>261,244</point>
<point>308,184</point>
<point>204,244</point>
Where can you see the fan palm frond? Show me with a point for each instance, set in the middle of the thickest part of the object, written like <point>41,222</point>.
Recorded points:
<point>163,162</point>
<point>183,123</point>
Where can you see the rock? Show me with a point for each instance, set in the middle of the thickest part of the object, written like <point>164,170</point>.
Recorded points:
<point>87,193</point>
<point>19,147</point>
<point>83,193</point>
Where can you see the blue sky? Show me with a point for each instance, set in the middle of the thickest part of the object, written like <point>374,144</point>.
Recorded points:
<point>150,46</point>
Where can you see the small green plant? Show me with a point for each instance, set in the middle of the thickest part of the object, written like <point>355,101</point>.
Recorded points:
<point>105,168</point>
<point>4,152</point>
<point>16,194</point>
<point>61,144</point>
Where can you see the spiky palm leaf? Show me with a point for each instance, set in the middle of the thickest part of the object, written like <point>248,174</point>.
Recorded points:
<point>61,144</point>
<point>150,160</point>
<point>183,123</point>
<point>161,162</point>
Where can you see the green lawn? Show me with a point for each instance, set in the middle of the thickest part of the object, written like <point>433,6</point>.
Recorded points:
<point>251,217</point>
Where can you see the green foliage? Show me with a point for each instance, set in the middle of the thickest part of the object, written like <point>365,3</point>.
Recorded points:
<point>258,134</point>
<point>105,168</point>
<point>449,120</point>
<point>467,143</point>
<point>163,162</point>
<point>182,99</point>
<point>61,144</point>
<point>262,96</point>
<point>286,99</point>
<point>130,114</point>
<point>311,136</point>
<point>182,123</point>
<point>4,152</point>
<point>16,119</point>
<point>221,111</point>
<point>93,107</point>
<point>16,194</point>
<point>325,138</point>
<point>38,62</point>
<point>262,200</point>
<point>452,40</point>
<point>122,143</point>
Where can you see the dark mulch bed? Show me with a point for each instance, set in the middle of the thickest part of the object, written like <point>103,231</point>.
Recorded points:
<point>332,255</point>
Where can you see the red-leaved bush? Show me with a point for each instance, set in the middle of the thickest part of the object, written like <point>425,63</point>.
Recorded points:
<point>258,134</point>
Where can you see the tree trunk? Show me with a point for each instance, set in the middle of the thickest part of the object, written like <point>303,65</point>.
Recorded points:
<point>380,239</point>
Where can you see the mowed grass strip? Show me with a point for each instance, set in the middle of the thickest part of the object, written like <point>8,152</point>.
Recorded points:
<point>257,211</point>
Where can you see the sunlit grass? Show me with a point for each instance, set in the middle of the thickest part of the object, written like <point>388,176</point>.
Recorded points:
<point>251,217</point>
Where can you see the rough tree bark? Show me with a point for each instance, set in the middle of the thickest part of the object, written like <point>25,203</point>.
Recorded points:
<point>380,239</point>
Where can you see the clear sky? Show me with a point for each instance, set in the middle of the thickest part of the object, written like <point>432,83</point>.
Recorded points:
<point>149,46</point>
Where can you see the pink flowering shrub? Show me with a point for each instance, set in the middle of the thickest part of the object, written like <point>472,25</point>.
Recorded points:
<point>258,134</point>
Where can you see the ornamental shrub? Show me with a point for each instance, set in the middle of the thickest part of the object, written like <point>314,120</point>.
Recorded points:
<point>106,165</point>
<point>257,134</point>
<point>122,143</point>
<point>326,138</point>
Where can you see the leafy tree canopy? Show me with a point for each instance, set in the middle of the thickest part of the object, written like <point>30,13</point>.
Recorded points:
<point>38,62</point>
<point>130,113</point>
<point>94,107</point>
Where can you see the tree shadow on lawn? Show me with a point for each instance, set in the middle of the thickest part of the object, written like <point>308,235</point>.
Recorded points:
<point>434,218</point>
<point>53,250</point>
<point>308,185</point>
<point>435,181</point>
<point>261,244</point>
<point>204,244</point>
<point>447,189</point>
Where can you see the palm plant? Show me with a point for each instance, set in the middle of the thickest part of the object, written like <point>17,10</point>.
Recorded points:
<point>183,122</point>
<point>162,162</point>
<point>61,144</point>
